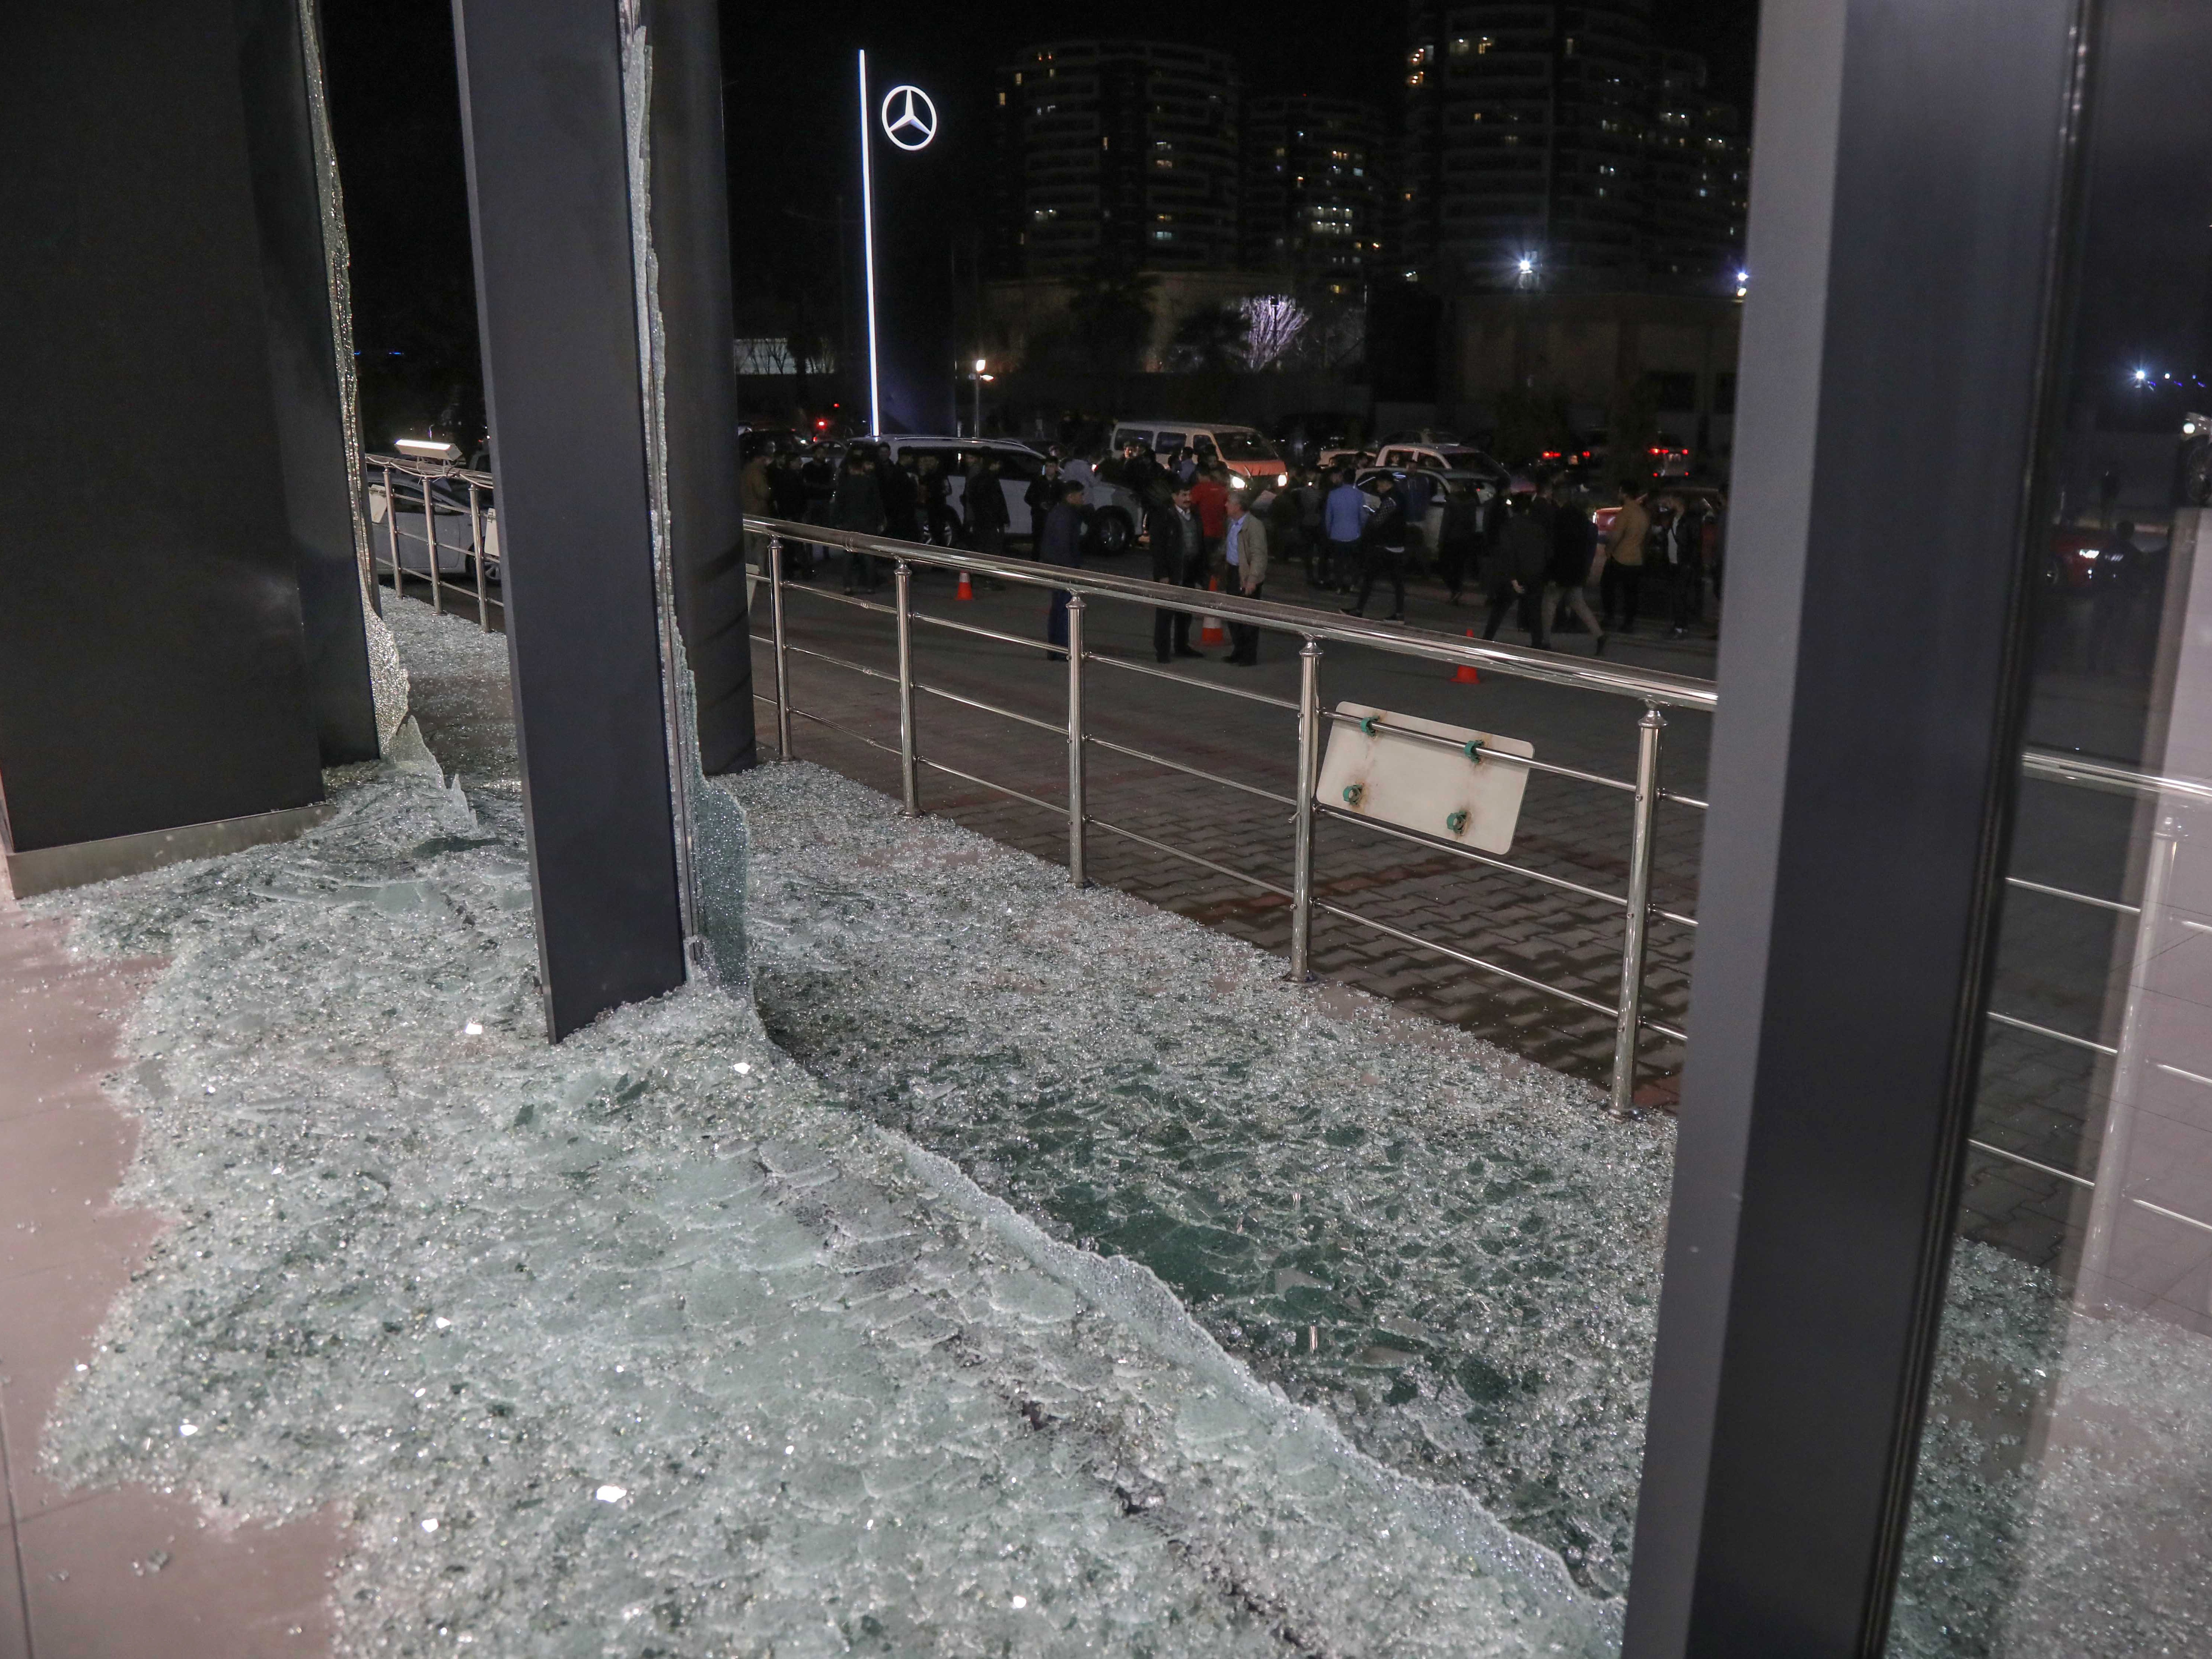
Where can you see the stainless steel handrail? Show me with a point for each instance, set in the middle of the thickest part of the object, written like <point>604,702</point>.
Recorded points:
<point>1650,691</point>
<point>1580,673</point>
<point>424,471</point>
<point>2054,767</point>
<point>1655,690</point>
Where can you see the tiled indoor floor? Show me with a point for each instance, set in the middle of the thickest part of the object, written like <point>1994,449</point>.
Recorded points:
<point>126,1573</point>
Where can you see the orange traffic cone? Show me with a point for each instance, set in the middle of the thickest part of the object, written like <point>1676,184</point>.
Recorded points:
<point>1210,631</point>
<point>966,592</point>
<point>1465,674</point>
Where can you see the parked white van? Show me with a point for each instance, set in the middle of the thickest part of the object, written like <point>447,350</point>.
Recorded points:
<point>1242,449</point>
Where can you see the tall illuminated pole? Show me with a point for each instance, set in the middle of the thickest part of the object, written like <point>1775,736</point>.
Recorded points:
<point>868,246</point>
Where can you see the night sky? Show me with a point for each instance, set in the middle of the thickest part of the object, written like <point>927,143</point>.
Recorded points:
<point>790,116</point>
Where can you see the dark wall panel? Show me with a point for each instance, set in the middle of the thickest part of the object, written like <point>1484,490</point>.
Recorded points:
<point>153,672</point>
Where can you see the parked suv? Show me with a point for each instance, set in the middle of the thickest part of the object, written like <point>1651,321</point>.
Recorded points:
<point>1240,448</point>
<point>1442,455</point>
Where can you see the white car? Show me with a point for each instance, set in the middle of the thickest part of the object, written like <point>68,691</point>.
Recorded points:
<point>1112,511</point>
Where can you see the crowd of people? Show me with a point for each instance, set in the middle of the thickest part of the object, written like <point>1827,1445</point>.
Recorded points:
<point>1533,556</point>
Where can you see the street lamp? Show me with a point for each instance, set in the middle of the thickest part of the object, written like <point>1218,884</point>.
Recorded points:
<point>976,376</point>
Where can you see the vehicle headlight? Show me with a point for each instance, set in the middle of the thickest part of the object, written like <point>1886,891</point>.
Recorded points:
<point>1282,478</point>
<point>1238,481</point>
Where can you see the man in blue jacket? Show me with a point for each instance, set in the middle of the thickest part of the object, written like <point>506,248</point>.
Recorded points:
<point>1344,522</point>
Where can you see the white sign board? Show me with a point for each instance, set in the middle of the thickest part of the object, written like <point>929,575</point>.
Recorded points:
<point>1436,788</point>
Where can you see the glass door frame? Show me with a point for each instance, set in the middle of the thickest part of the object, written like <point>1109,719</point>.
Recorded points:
<point>1913,186</point>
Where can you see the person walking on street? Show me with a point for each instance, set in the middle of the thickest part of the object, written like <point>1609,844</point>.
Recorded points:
<point>819,475</point>
<point>1385,549</point>
<point>1418,494</point>
<point>1459,538</point>
<point>1344,521</point>
<point>756,492</point>
<point>1284,536</point>
<point>985,499</point>
<point>1041,497</point>
<point>936,503</point>
<point>1620,587</point>
<point>1245,559</point>
<point>1574,551</point>
<point>1209,494</point>
<point>1061,543</point>
<point>1179,557</point>
<point>1685,551</point>
<point>1519,555</point>
<point>902,500</point>
<point>1313,543</point>
<point>788,494</point>
<point>858,504</point>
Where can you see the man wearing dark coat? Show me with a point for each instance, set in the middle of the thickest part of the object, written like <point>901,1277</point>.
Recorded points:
<point>1061,543</point>
<point>1519,555</point>
<point>858,504</point>
<point>1178,541</point>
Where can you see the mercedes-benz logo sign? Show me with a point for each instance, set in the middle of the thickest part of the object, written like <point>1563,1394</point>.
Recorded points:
<point>910,119</point>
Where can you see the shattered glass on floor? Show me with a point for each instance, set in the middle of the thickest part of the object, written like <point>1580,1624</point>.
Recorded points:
<point>1270,1307</point>
<point>1455,1252</point>
<point>647,1345</point>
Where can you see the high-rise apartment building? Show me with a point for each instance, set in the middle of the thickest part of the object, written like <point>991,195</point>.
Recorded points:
<point>1553,145</point>
<point>1313,201</point>
<point>1121,152</point>
<point>1697,189</point>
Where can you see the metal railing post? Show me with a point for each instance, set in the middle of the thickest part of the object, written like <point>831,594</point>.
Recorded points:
<point>1637,920</point>
<point>1077,814</point>
<point>909,781</point>
<point>392,529</point>
<point>476,552</point>
<point>431,541</point>
<point>782,656</point>
<point>1302,855</point>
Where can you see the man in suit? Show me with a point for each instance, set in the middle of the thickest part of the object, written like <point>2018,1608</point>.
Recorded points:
<point>1061,543</point>
<point>1244,561</point>
<point>1041,496</point>
<point>1178,557</point>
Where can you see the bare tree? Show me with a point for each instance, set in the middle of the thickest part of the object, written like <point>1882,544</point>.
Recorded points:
<point>1272,324</point>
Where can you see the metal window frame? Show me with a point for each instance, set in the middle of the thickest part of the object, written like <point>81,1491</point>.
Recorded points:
<point>1910,196</point>
<point>544,140</point>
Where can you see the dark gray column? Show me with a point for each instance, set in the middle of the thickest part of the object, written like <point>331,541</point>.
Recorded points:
<point>296,287</point>
<point>691,249</point>
<point>549,208</point>
<point>1905,210</point>
<point>153,668</point>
